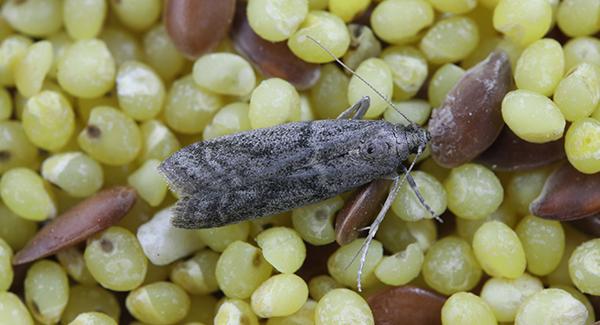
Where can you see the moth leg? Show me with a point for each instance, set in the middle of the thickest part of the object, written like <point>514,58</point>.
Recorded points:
<point>364,249</point>
<point>356,111</point>
<point>413,186</point>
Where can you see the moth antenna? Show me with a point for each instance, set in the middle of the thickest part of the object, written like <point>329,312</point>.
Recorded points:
<point>347,68</point>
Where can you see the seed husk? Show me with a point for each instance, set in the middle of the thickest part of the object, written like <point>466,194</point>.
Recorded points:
<point>91,216</point>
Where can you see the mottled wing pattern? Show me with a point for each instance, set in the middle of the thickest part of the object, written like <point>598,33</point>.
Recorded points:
<point>242,159</point>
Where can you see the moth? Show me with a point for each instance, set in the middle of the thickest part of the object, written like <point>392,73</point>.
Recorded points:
<point>271,170</point>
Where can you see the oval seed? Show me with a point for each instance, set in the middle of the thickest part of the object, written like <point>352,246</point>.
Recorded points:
<point>162,242</point>
<point>499,250</point>
<point>235,311</point>
<point>35,17</point>
<point>74,172</point>
<point>110,136</point>
<point>158,303</point>
<point>84,299</point>
<point>72,260</point>
<point>197,274</point>
<point>578,17</point>
<point>161,54</point>
<point>87,69</point>
<point>551,306</point>
<point>84,19</point>
<point>116,260</point>
<point>328,29</point>
<point>6,271</point>
<point>281,295</point>
<point>582,145</point>
<point>343,267</point>
<point>80,222</point>
<point>581,49</point>
<point>274,101</point>
<point>467,308</point>
<point>473,191</point>
<point>329,95</point>
<point>450,40</point>
<point>241,269</point>
<point>578,93</point>
<point>31,70</point>
<point>140,90</point>
<point>304,316</point>
<point>343,306</point>
<point>149,184</point>
<point>283,248</point>
<point>379,75</point>
<point>320,285</point>
<point>276,20</point>
<point>137,14</point>
<point>583,267</point>
<point>543,242</point>
<point>363,45</point>
<point>48,120</point>
<point>402,267</point>
<point>25,193</point>
<point>13,311</point>
<point>450,266</point>
<point>219,238</point>
<point>540,67</point>
<point>396,234</point>
<point>224,73</point>
<point>232,118</point>
<point>400,21</point>
<point>46,291</point>
<point>93,318</point>
<point>442,81</point>
<point>504,296</point>
<point>16,231</point>
<point>189,108</point>
<point>408,207</point>
<point>523,22</point>
<point>159,141</point>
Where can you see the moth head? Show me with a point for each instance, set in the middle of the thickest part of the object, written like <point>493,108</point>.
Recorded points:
<point>417,138</point>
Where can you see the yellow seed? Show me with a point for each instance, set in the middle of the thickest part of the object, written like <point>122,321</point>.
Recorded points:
<point>544,243</point>
<point>578,93</point>
<point>150,185</point>
<point>281,295</point>
<point>399,21</point>
<point>90,298</point>
<point>450,40</point>
<point>219,238</point>
<point>343,267</point>
<point>540,67</point>
<point>551,306</point>
<point>158,303</point>
<point>505,295</point>
<point>276,20</point>
<point>84,19</point>
<point>409,70</point>
<point>283,248</point>
<point>235,311</point>
<point>442,81</point>
<point>343,306</point>
<point>25,193</point>
<point>523,21</point>
<point>140,91</point>
<point>499,250</point>
<point>35,17</point>
<point>46,291</point>
<point>12,310</point>
<point>137,14</point>
<point>379,75</point>
<point>402,267</point>
<point>582,145</point>
<point>48,120</point>
<point>320,285</point>
<point>31,70</point>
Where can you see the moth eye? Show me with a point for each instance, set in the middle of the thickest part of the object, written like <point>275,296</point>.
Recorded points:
<point>375,149</point>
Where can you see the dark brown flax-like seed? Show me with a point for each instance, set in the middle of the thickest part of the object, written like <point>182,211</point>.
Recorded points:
<point>511,153</point>
<point>91,216</point>
<point>272,59</point>
<point>197,26</point>
<point>406,305</point>
<point>568,195</point>
<point>470,118</point>
<point>360,210</point>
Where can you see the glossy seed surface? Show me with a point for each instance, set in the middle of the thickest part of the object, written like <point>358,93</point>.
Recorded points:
<point>406,305</point>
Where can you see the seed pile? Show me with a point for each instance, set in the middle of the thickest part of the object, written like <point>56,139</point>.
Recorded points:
<point>95,94</point>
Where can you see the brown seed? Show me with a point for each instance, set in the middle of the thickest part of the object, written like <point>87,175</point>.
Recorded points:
<point>568,195</point>
<point>470,119</point>
<point>360,210</point>
<point>511,153</point>
<point>316,260</point>
<point>406,305</point>
<point>589,225</point>
<point>197,26</point>
<point>272,59</point>
<point>91,216</point>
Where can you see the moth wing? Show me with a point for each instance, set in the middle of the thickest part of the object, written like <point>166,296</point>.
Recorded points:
<point>246,158</point>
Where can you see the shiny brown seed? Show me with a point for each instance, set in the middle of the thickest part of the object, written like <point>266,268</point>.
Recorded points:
<point>197,26</point>
<point>568,195</point>
<point>360,210</point>
<point>92,215</point>
<point>316,260</point>
<point>406,305</point>
<point>589,225</point>
<point>273,60</point>
<point>511,153</point>
<point>470,119</point>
